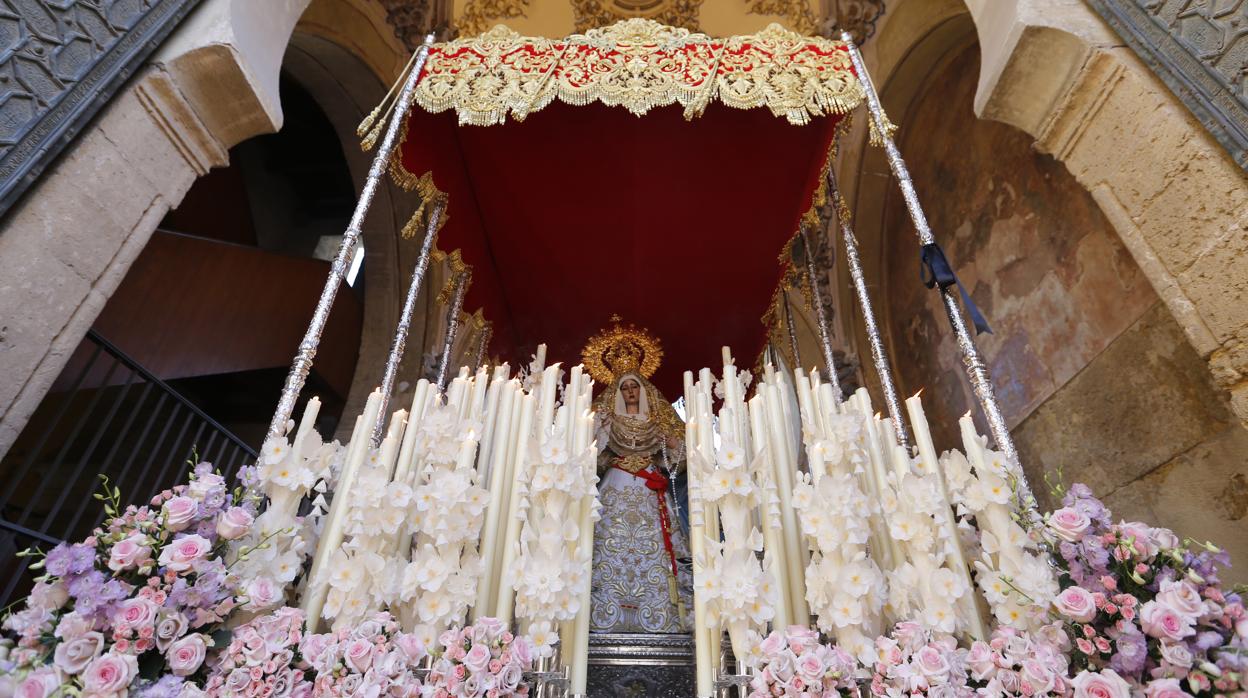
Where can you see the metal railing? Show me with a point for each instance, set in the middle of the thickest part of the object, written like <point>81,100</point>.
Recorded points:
<point>107,415</point>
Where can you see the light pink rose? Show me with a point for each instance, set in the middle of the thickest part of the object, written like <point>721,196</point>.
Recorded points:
<point>1161,621</point>
<point>1076,603</point>
<point>909,635</point>
<point>811,667</point>
<point>1165,688</point>
<point>477,658</point>
<point>186,655</point>
<point>129,552</point>
<point>234,523</point>
<point>1177,654</point>
<point>783,665</point>
<point>49,595</point>
<point>1183,597</point>
<point>184,552</point>
<point>931,661</point>
<point>38,684</point>
<point>262,593</point>
<point>510,678</point>
<point>487,629</point>
<point>74,656</point>
<point>522,651</point>
<point>358,655</point>
<point>773,643</point>
<point>179,512</point>
<point>1140,535</point>
<point>136,612</point>
<point>412,647</point>
<point>170,626</point>
<point>1164,539</point>
<point>110,674</point>
<point>1039,676</point>
<point>981,660</point>
<point>1104,684</point>
<point>73,626</point>
<point>801,638</point>
<point>1069,524</point>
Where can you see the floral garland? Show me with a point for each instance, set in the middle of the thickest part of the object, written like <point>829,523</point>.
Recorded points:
<point>482,659</point>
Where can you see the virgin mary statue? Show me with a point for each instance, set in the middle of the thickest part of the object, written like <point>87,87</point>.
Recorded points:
<point>638,584</point>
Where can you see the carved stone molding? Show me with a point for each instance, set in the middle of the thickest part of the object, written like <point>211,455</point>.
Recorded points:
<point>480,16</point>
<point>413,19</point>
<point>588,14</point>
<point>824,17</point>
<point>60,62</point>
<point>1199,49</point>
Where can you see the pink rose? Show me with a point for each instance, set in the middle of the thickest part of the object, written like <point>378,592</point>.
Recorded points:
<point>1165,688</point>
<point>136,613</point>
<point>170,626</point>
<point>359,655</point>
<point>1183,597</point>
<point>801,638</point>
<point>522,651</point>
<point>487,629</point>
<point>184,552</point>
<point>74,656</point>
<point>1161,621</point>
<point>477,658</point>
<point>772,644</point>
<point>1103,684</point>
<point>179,512</point>
<point>234,523</point>
<point>1076,603</point>
<point>1038,676</point>
<point>909,635</point>
<point>1164,539</point>
<point>129,552</point>
<point>811,667</point>
<point>1177,655</point>
<point>932,663</point>
<point>1069,524</point>
<point>110,674</point>
<point>1141,537</point>
<point>187,655</point>
<point>981,660</point>
<point>262,593</point>
<point>412,647</point>
<point>38,684</point>
<point>510,678</point>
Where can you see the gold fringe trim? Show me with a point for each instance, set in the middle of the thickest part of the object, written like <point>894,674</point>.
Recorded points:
<point>429,194</point>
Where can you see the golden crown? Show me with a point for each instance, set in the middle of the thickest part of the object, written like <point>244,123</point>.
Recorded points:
<point>621,349</point>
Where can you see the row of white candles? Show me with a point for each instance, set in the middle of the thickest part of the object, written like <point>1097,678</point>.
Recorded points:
<point>513,422</point>
<point>766,427</point>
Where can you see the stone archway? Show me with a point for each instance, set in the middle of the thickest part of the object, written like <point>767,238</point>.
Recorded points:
<point>1100,352</point>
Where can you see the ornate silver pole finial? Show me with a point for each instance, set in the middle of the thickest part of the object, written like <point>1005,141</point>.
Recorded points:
<point>878,356</point>
<point>976,369</point>
<point>302,364</point>
<point>399,346</point>
<point>821,315</point>
<point>452,325</point>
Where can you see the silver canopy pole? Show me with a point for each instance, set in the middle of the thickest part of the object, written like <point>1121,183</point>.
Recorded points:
<point>452,325</point>
<point>821,315</point>
<point>976,369</point>
<point>399,346</point>
<point>302,364</point>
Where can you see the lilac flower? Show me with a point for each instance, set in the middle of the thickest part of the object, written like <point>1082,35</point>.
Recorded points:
<point>57,561</point>
<point>1132,653</point>
<point>1207,640</point>
<point>169,686</point>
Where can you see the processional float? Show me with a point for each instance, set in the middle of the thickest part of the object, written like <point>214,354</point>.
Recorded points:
<point>809,85</point>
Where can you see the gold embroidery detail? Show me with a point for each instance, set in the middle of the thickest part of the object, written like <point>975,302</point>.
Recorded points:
<point>639,64</point>
<point>429,194</point>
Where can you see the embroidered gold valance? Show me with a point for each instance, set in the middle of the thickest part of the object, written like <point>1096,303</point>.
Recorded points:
<point>638,64</point>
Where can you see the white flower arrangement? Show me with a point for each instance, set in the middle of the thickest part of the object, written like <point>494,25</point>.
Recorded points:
<point>1010,570</point>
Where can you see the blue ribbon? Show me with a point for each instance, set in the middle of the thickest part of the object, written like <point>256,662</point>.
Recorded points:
<point>936,271</point>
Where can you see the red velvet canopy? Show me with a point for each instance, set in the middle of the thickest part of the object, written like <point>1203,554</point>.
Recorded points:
<point>580,212</point>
